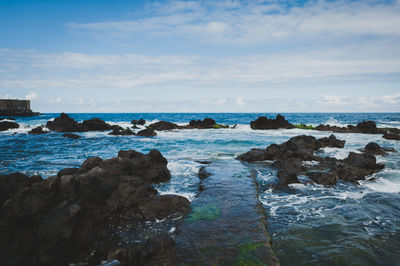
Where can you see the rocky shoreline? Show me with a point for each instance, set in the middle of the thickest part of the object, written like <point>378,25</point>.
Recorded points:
<point>71,217</point>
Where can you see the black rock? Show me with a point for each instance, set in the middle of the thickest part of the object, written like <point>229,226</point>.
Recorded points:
<point>264,123</point>
<point>37,131</point>
<point>148,132</point>
<point>71,136</point>
<point>141,121</point>
<point>163,125</point>
<point>203,174</point>
<point>6,125</point>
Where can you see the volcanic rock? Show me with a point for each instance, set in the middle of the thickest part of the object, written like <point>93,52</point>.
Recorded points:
<point>6,125</point>
<point>69,218</point>
<point>141,121</point>
<point>148,132</point>
<point>163,125</point>
<point>264,123</point>
<point>37,131</point>
<point>122,132</point>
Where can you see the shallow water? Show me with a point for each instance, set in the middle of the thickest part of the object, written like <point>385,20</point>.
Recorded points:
<point>310,224</point>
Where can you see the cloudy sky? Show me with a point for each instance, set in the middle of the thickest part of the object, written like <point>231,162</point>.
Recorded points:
<point>208,56</point>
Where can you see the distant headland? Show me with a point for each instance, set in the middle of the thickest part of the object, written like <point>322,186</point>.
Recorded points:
<point>16,108</point>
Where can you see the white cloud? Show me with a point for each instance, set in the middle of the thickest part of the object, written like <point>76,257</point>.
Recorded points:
<point>218,102</point>
<point>31,96</point>
<point>240,102</point>
<point>365,103</point>
<point>263,21</point>
<point>9,96</point>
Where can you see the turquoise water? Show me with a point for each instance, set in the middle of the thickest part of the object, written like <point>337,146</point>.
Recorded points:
<point>310,224</point>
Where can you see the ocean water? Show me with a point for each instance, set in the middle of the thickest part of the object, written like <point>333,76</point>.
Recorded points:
<point>309,224</point>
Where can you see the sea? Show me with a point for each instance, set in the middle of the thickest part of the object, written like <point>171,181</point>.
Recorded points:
<point>309,224</point>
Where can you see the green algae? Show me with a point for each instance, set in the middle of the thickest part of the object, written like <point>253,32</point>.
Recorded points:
<point>304,126</point>
<point>207,213</point>
<point>220,126</point>
<point>246,256</point>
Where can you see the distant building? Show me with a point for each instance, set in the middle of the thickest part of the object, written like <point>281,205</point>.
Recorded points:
<point>16,108</point>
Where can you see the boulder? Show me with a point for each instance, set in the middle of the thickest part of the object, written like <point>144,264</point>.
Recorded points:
<point>122,132</point>
<point>163,125</point>
<point>148,132</point>
<point>96,124</point>
<point>141,122</point>
<point>332,141</point>
<point>37,131</point>
<point>206,123</point>
<point>6,125</point>
<point>80,215</point>
<point>368,127</point>
<point>264,123</point>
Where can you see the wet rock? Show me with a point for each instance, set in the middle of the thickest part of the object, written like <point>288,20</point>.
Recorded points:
<point>141,122</point>
<point>391,136</point>
<point>203,162</point>
<point>71,136</point>
<point>148,132</point>
<point>69,218</point>
<point>203,173</point>
<point>164,125</point>
<point>6,125</point>
<point>332,141</point>
<point>206,123</point>
<point>323,178</point>
<point>375,149</point>
<point>122,132</point>
<point>289,156</point>
<point>37,131</point>
<point>368,127</point>
<point>264,123</point>
<point>64,123</point>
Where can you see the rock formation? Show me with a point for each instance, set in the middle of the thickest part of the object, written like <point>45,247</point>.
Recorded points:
<point>77,216</point>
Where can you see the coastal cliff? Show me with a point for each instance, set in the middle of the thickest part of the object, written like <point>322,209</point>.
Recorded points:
<point>16,108</point>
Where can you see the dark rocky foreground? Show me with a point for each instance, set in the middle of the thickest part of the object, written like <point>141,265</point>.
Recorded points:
<point>80,215</point>
<point>289,158</point>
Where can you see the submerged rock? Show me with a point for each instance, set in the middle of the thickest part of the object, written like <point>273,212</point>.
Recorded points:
<point>391,136</point>
<point>264,123</point>
<point>203,173</point>
<point>71,136</point>
<point>6,125</point>
<point>37,131</point>
<point>69,218</point>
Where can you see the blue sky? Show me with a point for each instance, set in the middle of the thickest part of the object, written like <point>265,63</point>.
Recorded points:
<point>201,56</point>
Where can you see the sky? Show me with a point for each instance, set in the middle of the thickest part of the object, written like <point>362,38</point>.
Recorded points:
<point>201,56</point>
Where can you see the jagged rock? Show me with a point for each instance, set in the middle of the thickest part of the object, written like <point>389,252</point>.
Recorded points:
<point>264,123</point>
<point>368,127</point>
<point>122,132</point>
<point>206,123</point>
<point>375,149</point>
<point>332,141</point>
<point>37,131</point>
<point>6,125</point>
<point>323,178</point>
<point>69,218</point>
<point>71,136</point>
<point>64,123</point>
<point>148,132</point>
<point>141,121</point>
<point>163,125</point>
